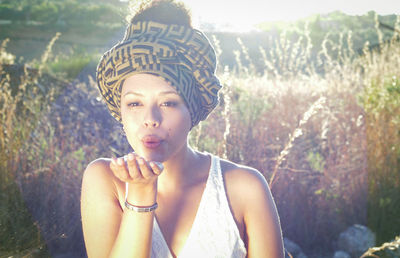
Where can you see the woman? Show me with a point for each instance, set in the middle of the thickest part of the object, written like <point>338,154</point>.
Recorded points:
<point>166,199</point>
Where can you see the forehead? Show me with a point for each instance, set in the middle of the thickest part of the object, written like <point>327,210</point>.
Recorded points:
<point>145,82</point>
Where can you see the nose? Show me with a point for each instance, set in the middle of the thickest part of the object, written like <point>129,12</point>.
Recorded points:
<point>152,118</point>
<point>151,123</point>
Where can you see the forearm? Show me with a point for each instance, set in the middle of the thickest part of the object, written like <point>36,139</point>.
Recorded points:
<point>135,233</point>
<point>134,236</point>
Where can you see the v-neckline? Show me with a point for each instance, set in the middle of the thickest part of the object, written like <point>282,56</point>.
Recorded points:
<point>199,208</point>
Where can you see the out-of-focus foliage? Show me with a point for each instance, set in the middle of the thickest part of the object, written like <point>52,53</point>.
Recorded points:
<point>318,118</point>
<point>62,12</point>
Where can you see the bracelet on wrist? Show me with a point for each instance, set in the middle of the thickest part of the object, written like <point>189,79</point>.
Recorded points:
<point>140,208</point>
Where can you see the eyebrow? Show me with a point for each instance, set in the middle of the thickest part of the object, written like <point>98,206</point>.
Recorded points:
<point>163,93</point>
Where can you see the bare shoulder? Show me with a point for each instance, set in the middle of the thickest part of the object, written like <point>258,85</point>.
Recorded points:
<point>99,177</point>
<point>98,169</point>
<point>244,180</point>
<point>100,165</point>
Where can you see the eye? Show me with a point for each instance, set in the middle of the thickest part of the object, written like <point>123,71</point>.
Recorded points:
<point>134,104</point>
<point>169,104</point>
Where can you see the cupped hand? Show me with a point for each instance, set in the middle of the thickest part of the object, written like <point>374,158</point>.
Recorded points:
<point>134,169</point>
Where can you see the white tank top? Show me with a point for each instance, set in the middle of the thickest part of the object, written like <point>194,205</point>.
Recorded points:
<point>214,232</point>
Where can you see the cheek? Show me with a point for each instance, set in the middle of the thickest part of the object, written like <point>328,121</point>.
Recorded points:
<point>187,119</point>
<point>185,122</point>
<point>130,128</point>
<point>179,126</point>
<point>129,136</point>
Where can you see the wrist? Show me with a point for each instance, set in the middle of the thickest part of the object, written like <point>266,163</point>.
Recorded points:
<point>141,195</point>
<point>141,208</point>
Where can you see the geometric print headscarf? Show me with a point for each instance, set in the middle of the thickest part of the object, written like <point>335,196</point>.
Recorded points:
<point>183,56</point>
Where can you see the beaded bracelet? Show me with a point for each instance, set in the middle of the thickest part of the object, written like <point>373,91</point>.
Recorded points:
<point>140,208</point>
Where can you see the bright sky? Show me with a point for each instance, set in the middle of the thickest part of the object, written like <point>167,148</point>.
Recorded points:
<point>244,13</point>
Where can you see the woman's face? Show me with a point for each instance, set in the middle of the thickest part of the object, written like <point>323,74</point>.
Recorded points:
<point>155,118</point>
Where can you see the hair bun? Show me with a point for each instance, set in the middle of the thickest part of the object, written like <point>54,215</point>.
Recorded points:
<point>163,11</point>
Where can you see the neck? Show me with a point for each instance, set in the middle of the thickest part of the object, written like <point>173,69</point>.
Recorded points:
<point>179,170</point>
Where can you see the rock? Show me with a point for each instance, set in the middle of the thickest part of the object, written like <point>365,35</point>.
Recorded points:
<point>293,249</point>
<point>341,254</point>
<point>356,240</point>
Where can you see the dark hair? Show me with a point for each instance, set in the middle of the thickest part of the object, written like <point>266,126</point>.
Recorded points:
<point>164,11</point>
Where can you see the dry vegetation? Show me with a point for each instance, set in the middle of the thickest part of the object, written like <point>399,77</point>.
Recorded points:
<point>325,134</point>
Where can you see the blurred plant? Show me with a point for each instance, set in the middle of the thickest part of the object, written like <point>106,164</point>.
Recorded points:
<point>389,249</point>
<point>324,133</point>
<point>296,133</point>
<point>22,101</point>
<point>5,57</point>
<point>381,102</point>
<point>324,174</point>
<point>316,161</point>
<point>70,67</point>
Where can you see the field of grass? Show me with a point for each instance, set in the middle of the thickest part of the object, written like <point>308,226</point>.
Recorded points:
<point>325,134</point>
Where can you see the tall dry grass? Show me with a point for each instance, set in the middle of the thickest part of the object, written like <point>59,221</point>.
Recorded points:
<point>22,99</point>
<point>50,130</point>
<point>323,130</point>
<point>325,134</point>
<point>381,102</point>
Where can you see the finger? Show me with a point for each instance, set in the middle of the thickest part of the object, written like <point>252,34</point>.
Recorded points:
<point>144,167</point>
<point>157,167</point>
<point>119,169</point>
<point>133,168</point>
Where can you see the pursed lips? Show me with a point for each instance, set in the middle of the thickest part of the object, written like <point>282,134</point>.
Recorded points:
<point>151,141</point>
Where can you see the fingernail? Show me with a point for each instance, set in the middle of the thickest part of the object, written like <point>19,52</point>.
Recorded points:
<point>159,164</point>
<point>120,162</point>
<point>130,156</point>
<point>140,161</point>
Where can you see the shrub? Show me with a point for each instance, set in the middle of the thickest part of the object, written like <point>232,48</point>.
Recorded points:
<point>22,99</point>
<point>71,66</point>
<point>324,134</point>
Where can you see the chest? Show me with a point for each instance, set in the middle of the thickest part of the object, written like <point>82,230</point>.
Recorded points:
<point>202,212</point>
<point>177,215</point>
<point>200,216</point>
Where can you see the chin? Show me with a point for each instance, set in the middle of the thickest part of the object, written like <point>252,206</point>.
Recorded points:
<point>153,155</point>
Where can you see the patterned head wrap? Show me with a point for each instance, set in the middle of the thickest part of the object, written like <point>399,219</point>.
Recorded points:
<point>181,55</point>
